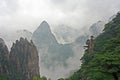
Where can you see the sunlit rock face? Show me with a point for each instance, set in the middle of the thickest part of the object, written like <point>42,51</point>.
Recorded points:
<point>24,60</point>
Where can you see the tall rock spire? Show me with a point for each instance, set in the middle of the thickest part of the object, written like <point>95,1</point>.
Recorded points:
<point>25,60</point>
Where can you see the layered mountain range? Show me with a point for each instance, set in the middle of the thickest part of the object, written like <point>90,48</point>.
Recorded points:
<point>52,53</point>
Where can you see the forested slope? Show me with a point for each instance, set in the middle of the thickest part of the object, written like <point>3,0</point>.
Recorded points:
<point>103,63</point>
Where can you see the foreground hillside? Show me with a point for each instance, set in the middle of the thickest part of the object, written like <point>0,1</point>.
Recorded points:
<point>103,63</point>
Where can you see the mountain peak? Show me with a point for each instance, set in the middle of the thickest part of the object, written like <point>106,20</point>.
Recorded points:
<point>44,28</point>
<point>43,35</point>
<point>45,22</point>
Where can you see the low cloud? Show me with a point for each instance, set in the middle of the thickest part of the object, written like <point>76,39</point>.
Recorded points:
<point>29,14</point>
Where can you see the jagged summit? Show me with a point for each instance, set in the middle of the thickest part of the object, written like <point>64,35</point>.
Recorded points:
<point>24,33</point>
<point>24,57</point>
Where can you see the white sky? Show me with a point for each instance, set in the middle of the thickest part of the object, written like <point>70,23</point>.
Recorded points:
<point>28,14</point>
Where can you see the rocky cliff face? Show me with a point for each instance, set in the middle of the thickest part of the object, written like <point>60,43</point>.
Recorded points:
<point>4,53</point>
<point>24,60</point>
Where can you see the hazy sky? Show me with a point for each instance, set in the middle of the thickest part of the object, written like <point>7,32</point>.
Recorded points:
<point>28,14</point>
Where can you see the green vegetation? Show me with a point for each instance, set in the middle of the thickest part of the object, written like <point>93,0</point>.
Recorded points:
<point>42,78</point>
<point>3,78</point>
<point>104,62</point>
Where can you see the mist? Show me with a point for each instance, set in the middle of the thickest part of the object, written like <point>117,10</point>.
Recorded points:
<point>28,14</point>
<point>79,14</point>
